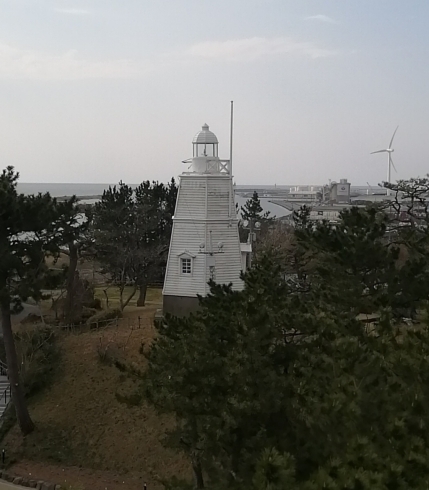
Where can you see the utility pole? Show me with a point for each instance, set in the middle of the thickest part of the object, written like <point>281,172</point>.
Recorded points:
<point>253,226</point>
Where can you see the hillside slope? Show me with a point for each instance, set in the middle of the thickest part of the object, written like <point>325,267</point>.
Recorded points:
<point>81,425</point>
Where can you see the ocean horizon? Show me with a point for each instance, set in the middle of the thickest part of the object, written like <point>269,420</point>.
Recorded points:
<point>82,190</point>
<point>67,190</point>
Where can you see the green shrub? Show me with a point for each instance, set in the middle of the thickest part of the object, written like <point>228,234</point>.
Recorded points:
<point>87,313</point>
<point>94,304</point>
<point>131,400</point>
<point>40,358</point>
<point>101,318</point>
<point>8,420</point>
<point>175,483</point>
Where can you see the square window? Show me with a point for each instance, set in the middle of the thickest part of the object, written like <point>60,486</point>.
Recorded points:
<point>186,266</point>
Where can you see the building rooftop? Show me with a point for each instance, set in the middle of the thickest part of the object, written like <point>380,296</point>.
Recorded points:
<point>205,136</point>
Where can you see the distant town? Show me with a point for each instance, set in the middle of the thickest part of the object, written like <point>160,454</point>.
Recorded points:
<point>326,201</point>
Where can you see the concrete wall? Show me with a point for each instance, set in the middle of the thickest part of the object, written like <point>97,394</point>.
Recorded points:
<point>322,214</point>
<point>179,305</point>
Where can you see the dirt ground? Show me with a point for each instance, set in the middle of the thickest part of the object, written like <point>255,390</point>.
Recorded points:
<point>81,478</point>
<point>84,435</point>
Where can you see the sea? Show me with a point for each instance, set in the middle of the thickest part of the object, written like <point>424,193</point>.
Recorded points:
<point>88,190</point>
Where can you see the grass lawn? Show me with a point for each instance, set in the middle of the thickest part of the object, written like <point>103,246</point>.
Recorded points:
<point>153,296</point>
<point>85,435</point>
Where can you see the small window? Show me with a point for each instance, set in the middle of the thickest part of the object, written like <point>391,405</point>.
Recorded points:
<point>186,266</point>
<point>320,213</point>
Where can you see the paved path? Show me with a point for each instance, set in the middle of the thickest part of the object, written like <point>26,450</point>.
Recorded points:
<point>27,309</point>
<point>4,485</point>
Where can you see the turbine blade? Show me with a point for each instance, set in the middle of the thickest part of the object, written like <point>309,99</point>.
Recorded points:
<point>393,165</point>
<point>391,141</point>
<point>378,151</point>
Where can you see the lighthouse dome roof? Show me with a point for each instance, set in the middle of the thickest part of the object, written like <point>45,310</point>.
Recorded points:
<point>205,136</point>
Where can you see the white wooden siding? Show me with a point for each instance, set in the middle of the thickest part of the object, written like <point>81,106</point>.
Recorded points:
<point>228,263</point>
<point>202,207</point>
<point>205,196</point>
<point>191,198</point>
<point>217,200</point>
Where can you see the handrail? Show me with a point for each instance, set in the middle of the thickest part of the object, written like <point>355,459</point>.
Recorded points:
<point>3,369</point>
<point>8,390</point>
<point>4,395</point>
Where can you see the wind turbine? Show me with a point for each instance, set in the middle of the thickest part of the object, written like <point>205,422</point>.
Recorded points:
<point>390,164</point>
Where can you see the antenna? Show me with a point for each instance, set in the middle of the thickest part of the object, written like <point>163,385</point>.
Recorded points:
<point>230,137</point>
<point>231,192</point>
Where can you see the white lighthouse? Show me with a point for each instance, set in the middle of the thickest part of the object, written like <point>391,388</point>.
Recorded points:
<point>205,243</point>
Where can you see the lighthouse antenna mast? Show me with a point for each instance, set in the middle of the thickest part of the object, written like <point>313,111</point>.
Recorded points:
<point>230,157</point>
<point>230,137</point>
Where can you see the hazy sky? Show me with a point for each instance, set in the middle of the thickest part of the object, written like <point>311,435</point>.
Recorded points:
<point>103,90</point>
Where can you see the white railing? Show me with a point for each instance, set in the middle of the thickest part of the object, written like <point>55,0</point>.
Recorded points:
<point>6,395</point>
<point>7,392</point>
<point>3,368</point>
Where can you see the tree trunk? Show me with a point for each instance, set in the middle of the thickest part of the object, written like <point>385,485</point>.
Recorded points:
<point>142,295</point>
<point>71,276</point>
<point>195,458</point>
<point>107,298</point>
<point>123,303</point>
<point>236,451</point>
<point>25,423</point>
<point>198,472</point>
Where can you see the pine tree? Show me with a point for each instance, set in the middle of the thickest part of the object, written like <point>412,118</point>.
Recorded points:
<point>155,205</point>
<point>76,236</point>
<point>282,385</point>
<point>252,210</point>
<point>357,264</point>
<point>132,229</point>
<point>116,238</point>
<point>27,235</point>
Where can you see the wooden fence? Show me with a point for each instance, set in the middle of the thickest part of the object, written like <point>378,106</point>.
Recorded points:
<point>127,323</point>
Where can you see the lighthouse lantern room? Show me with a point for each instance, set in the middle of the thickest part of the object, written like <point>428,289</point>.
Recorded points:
<point>205,242</point>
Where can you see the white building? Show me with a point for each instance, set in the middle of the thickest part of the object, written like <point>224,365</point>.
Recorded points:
<point>304,193</point>
<point>330,213</point>
<point>205,242</point>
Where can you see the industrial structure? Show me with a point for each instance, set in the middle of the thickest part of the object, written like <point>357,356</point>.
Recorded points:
<point>337,192</point>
